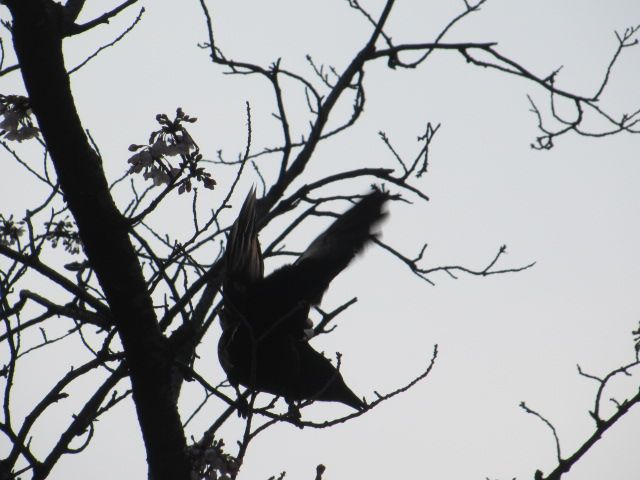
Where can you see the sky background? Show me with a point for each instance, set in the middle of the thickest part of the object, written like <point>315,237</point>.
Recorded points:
<point>502,339</point>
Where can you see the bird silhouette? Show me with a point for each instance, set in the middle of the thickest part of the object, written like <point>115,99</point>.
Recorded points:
<point>263,344</point>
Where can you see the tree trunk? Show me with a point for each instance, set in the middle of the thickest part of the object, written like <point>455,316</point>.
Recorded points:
<point>38,27</point>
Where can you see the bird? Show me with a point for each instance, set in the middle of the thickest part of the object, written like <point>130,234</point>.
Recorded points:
<point>265,319</point>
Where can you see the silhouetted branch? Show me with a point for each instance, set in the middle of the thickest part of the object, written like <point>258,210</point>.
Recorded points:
<point>548,424</point>
<point>423,273</point>
<point>327,317</point>
<point>24,164</point>
<point>110,44</point>
<point>70,310</point>
<point>53,396</point>
<point>48,341</point>
<point>602,424</point>
<point>37,265</point>
<point>274,418</point>
<point>212,390</point>
<point>10,69</point>
<point>602,384</point>
<point>104,18</point>
<point>81,422</point>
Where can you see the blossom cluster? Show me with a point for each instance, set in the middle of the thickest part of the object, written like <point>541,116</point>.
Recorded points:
<point>64,231</point>
<point>16,124</point>
<point>211,462</point>
<point>168,146</point>
<point>153,160</point>
<point>10,231</point>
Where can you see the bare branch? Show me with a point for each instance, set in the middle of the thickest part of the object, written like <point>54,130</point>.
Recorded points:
<point>450,269</point>
<point>80,423</point>
<point>548,424</point>
<point>327,317</point>
<point>104,18</point>
<point>37,265</point>
<point>110,44</point>
<point>328,423</point>
<point>566,464</point>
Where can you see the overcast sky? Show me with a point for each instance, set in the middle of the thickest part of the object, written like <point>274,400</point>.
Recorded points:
<point>504,339</point>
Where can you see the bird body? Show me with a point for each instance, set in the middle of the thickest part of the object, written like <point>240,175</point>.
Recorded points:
<point>264,345</point>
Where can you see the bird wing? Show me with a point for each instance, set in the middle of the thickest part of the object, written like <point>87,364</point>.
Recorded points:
<point>293,288</point>
<point>334,249</point>
<point>243,254</point>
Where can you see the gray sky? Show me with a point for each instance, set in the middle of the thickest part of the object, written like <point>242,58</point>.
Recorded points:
<point>502,339</point>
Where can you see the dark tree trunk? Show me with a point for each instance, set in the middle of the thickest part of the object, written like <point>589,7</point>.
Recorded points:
<point>38,28</point>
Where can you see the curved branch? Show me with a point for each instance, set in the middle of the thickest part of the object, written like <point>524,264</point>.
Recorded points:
<point>104,18</point>
<point>54,395</point>
<point>35,263</point>
<point>450,269</point>
<point>80,423</point>
<point>565,465</point>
